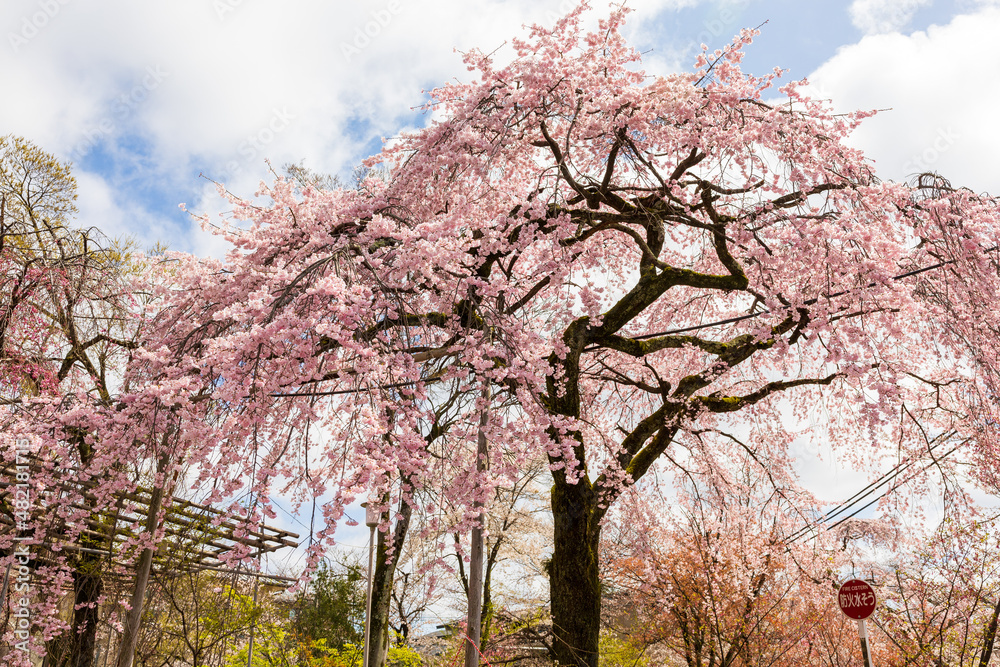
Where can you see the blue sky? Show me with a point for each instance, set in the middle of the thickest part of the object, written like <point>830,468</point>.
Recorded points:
<point>151,101</point>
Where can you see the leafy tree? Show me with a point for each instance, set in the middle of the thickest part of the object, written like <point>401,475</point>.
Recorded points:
<point>720,580</point>
<point>941,599</point>
<point>617,652</point>
<point>353,656</point>
<point>333,610</point>
<point>195,618</point>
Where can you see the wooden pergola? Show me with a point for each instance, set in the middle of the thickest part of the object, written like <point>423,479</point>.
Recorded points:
<point>196,537</point>
<point>206,534</point>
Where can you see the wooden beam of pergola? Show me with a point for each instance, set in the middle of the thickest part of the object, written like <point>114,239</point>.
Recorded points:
<point>206,532</point>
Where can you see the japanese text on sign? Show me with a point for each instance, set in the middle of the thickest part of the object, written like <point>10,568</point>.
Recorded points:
<point>856,599</point>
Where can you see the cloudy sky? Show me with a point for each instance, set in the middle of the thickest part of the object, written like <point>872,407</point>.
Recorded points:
<point>152,100</point>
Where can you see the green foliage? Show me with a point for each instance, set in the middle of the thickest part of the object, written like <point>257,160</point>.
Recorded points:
<point>616,652</point>
<point>191,616</point>
<point>351,655</point>
<point>334,608</point>
<point>403,656</point>
<point>271,649</point>
<point>35,184</point>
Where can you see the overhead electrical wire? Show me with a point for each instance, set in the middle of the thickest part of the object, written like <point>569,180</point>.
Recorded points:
<point>867,491</point>
<point>668,332</point>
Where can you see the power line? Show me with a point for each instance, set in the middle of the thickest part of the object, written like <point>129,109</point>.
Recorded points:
<point>868,490</point>
<point>668,332</point>
<point>808,302</point>
<point>887,477</point>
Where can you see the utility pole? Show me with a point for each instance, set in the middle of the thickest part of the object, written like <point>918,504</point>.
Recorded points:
<point>474,622</point>
<point>372,521</point>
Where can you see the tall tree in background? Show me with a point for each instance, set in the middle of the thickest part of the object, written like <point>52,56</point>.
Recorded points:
<point>646,266</point>
<point>942,597</point>
<point>728,577</point>
<point>68,324</point>
<point>37,195</point>
<point>334,609</point>
<point>513,528</point>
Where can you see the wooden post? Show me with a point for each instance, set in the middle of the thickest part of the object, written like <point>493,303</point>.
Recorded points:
<point>130,634</point>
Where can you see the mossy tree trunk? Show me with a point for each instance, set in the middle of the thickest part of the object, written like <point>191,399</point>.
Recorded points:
<point>87,588</point>
<point>385,571</point>
<point>575,576</point>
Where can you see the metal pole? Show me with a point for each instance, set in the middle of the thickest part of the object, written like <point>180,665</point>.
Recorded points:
<point>863,633</point>
<point>474,623</point>
<point>372,520</point>
<point>253,622</point>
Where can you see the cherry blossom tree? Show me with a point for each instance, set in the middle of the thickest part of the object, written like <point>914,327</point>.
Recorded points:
<point>942,597</point>
<point>963,292</point>
<point>646,266</point>
<point>726,576</point>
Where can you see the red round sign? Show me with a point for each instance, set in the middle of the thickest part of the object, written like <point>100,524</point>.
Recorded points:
<point>856,599</point>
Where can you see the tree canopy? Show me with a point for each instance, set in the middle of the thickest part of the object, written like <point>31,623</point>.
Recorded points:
<point>644,267</point>
<point>625,273</point>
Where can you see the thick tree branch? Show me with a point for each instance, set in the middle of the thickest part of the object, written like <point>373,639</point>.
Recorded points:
<point>641,348</point>
<point>721,404</point>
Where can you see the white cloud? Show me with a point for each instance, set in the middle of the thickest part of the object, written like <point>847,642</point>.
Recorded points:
<point>882,16</point>
<point>938,86</point>
<point>99,206</point>
<point>217,86</point>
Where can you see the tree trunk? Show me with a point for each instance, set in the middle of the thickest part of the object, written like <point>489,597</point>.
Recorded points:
<point>385,571</point>
<point>474,619</point>
<point>77,647</point>
<point>486,622</point>
<point>87,588</point>
<point>81,642</point>
<point>574,579</point>
<point>990,637</point>
<point>474,624</point>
